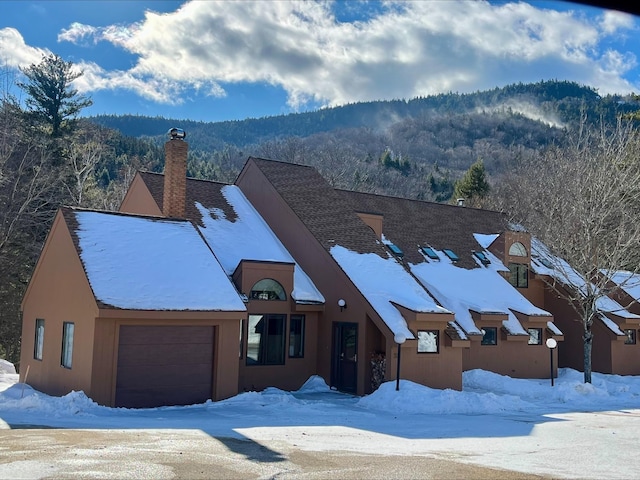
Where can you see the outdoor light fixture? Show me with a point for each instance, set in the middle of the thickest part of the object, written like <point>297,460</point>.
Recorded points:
<point>342,304</point>
<point>551,344</point>
<point>399,338</point>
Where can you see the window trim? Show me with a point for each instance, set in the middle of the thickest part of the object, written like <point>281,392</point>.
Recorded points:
<point>300,353</point>
<point>516,249</point>
<point>66,354</point>
<point>539,330</point>
<point>429,352</point>
<point>38,339</point>
<point>278,292</point>
<point>630,340</point>
<point>515,273</point>
<point>495,336</point>
<point>263,347</point>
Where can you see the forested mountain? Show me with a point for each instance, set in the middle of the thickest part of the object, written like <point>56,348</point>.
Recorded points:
<point>415,148</point>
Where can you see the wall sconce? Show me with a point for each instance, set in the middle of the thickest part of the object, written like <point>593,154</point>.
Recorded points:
<point>342,304</point>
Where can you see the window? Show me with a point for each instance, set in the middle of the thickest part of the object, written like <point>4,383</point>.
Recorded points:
<point>517,250</point>
<point>67,344</point>
<point>38,342</point>
<point>296,336</point>
<point>395,249</point>
<point>265,340</point>
<point>429,252</point>
<point>482,257</point>
<point>535,336</point>
<point>428,341</point>
<point>451,254</point>
<point>268,289</point>
<point>489,336</point>
<point>241,346</point>
<point>631,337</point>
<point>519,275</point>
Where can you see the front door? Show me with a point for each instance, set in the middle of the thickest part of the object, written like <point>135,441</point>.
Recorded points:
<point>345,357</point>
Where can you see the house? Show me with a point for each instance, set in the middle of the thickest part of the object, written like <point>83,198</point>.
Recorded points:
<point>614,346</point>
<point>354,320</point>
<point>271,280</point>
<point>130,310</point>
<point>456,255</point>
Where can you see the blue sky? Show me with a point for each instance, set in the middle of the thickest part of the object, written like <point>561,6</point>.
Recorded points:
<point>226,60</point>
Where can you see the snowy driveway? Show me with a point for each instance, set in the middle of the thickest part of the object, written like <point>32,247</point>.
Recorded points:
<point>572,430</point>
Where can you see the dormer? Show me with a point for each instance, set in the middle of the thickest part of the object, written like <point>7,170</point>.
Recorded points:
<point>265,281</point>
<point>373,221</point>
<point>514,249</point>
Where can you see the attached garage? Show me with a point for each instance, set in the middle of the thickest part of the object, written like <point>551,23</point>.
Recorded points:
<point>164,365</point>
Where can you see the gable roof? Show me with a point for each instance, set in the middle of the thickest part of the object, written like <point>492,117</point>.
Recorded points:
<point>464,285</point>
<point>411,224</point>
<point>148,263</point>
<point>327,214</point>
<point>629,282</point>
<point>543,262</point>
<point>331,219</point>
<point>234,230</point>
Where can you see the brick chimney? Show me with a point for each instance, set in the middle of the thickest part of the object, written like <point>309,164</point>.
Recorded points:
<point>175,174</point>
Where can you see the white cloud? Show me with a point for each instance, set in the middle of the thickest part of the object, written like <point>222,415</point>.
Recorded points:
<point>613,21</point>
<point>77,32</point>
<point>15,53</point>
<point>407,49</point>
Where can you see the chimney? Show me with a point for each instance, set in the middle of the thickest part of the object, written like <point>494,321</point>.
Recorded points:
<point>175,174</point>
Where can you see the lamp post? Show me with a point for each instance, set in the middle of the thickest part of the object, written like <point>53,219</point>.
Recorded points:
<point>551,344</point>
<point>399,338</point>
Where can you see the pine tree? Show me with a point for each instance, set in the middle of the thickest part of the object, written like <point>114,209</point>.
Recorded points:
<point>473,186</point>
<point>50,98</point>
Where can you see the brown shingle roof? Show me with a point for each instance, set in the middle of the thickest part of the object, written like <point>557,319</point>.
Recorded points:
<point>205,192</point>
<point>327,214</point>
<point>414,223</point>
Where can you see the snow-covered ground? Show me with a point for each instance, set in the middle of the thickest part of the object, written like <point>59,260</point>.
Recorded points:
<point>570,430</point>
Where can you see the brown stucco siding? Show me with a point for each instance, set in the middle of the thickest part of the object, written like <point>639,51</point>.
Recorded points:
<point>58,292</point>
<point>139,199</point>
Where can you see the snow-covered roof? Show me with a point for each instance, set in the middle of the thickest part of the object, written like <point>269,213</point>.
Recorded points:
<point>249,237</point>
<point>482,290</point>
<point>628,281</point>
<point>142,263</point>
<point>382,281</point>
<point>543,262</point>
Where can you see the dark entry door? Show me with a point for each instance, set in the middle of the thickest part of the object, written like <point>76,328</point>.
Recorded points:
<point>345,357</point>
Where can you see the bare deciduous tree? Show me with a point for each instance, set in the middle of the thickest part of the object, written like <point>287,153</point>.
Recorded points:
<point>582,203</point>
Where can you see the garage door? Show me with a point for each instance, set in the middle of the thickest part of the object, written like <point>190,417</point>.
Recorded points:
<point>164,365</point>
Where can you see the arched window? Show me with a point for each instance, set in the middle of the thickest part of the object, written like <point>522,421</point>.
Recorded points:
<point>517,250</point>
<point>268,289</point>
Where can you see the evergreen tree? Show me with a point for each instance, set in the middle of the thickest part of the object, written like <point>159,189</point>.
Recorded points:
<point>473,186</point>
<point>51,99</point>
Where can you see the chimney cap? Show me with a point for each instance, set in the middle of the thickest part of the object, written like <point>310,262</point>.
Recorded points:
<point>176,133</point>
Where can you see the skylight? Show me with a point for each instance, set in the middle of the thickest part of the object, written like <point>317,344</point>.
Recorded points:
<point>428,251</point>
<point>482,257</point>
<point>451,254</point>
<point>545,262</point>
<point>395,249</point>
